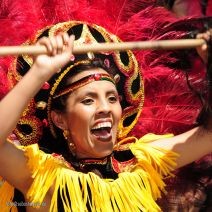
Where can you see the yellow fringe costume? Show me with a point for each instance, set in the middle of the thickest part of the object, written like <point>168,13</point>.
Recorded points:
<point>135,189</point>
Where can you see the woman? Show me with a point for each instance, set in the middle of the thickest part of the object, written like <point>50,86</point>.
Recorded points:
<point>83,105</point>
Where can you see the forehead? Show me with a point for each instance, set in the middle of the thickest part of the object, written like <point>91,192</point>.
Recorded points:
<point>85,73</point>
<point>95,88</point>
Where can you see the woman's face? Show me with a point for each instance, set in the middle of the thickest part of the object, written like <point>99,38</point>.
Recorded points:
<point>92,116</point>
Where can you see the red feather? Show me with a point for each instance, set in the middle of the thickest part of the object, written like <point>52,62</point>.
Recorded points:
<point>169,104</point>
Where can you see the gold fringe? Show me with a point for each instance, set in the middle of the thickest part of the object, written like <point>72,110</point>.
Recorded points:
<point>6,197</point>
<point>157,162</point>
<point>134,190</point>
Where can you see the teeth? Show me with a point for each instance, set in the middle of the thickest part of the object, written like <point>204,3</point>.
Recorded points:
<point>101,125</point>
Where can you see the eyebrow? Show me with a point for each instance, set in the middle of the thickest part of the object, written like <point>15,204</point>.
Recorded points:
<point>93,93</point>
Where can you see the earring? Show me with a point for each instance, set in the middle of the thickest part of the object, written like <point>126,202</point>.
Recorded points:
<point>66,134</point>
<point>72,148</point>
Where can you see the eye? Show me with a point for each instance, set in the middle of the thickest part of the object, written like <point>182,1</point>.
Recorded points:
<point>87,101</point>
<point>113,99</point>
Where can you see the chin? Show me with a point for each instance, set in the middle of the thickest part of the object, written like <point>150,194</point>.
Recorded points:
<point>107,152</point>
<point>103,153</point>
<point>101,149</point>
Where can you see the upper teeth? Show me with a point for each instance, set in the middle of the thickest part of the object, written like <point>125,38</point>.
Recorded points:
<point>103,124</point>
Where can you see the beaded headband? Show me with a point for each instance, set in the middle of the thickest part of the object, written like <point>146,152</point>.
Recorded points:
<point>84,81</point>
<point>36,116</point>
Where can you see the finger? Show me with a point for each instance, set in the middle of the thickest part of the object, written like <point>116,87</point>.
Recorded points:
<point>205,36</point>
<point>71,43</point>
<point>69,40</point>
<point>53,43</point>
<point>204,47</point>
<point>46,42</point>
<point>65,37</point>
<point>59,43</point>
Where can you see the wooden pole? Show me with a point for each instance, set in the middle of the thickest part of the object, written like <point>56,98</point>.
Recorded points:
<point>105,47</point>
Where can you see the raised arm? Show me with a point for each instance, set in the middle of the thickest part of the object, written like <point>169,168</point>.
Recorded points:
<point>43,68</point>
<point>190,146</point>
<point>12,160</point>
<point>196,143</point>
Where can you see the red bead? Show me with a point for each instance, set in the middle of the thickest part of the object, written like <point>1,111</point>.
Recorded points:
<point>45,123</point>
<point>13,136</point>
<point>46,86</point>
<point>97,77</point>
<point>107,63</point>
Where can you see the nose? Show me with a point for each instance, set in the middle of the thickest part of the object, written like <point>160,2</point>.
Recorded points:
<point>103,107</point>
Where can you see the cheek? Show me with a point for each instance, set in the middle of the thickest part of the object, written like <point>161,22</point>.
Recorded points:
<point>79,116</point>
<point>76,119</point>
<point>77,126</point>
<point>118,112</point>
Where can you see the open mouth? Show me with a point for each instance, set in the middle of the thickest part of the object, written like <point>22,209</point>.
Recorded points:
<point>102,131</point>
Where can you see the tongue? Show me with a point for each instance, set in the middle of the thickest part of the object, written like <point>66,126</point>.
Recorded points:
<point>100,133</point>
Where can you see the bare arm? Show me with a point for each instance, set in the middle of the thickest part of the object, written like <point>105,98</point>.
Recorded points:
<point>17,99</point>
<point>196,143</point>
<point>190,146</point>
<point>12,160</point>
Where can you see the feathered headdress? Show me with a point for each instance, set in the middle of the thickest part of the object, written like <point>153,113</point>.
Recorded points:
<point>126,77</point>
<point>170,103</point>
